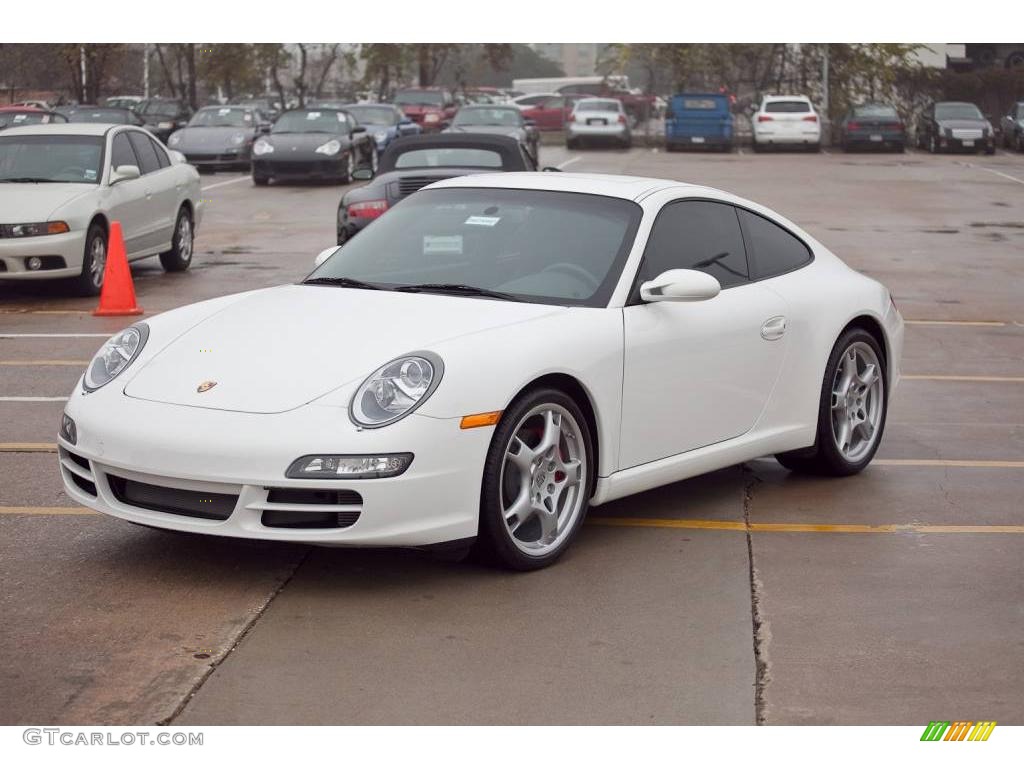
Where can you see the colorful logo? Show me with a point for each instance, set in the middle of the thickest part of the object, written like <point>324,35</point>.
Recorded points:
<point>959,730</point>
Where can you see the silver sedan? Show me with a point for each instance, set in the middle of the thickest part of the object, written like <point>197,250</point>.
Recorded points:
<point>598,119</point>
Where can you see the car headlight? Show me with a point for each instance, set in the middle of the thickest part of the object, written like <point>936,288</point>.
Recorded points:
<point>237,139</point>
<point>35,229</point>
<point>164,125</point>
<point>115,356</point>
<point>174,140</point>
<point>262,147</point>
<point>332,147</point>
<point>381,135</point>
<point>396,389</point>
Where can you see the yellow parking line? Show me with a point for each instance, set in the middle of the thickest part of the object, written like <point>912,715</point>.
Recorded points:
<point>990,323</point>
<point>948,463</point>
<point>47,511</point>
<point>28,447</point>
<point>929,377</point>
<point>27,363</point>
<point>739,525</point>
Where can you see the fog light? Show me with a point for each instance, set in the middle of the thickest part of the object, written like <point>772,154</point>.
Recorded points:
<point>347,467</point>
<point>67,429</point>
<point>34,263</point>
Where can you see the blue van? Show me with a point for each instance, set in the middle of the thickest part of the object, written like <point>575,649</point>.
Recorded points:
<point>698,120</point>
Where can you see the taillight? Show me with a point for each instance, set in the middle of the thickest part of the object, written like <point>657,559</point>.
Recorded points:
<point>853,126</point>
<point>370,209</point>
<point>811,119</point>
<point>622,119</point>
<point>898,126</point>
<point>764,118</point>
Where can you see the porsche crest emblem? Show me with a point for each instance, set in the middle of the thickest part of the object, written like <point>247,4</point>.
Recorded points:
<point>206,386</point>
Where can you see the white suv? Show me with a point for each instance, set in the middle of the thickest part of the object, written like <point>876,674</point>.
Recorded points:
<point>787,121</point>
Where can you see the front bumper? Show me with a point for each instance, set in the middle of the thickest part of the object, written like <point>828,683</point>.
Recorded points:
<point>300,167</point>
<point>68,248</point>
<point>957,144</point>
<point>216,160</point>
<point>242,457</point>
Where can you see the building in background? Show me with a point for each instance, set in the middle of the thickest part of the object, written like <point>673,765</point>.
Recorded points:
<point>576,59</point>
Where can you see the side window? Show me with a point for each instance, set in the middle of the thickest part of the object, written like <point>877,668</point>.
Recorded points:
<point>161,156</point>
<point>144,150</point>
<point>121,151</point>
<point>773,250</point>
<point>555,102</point>
<point>697,234</point>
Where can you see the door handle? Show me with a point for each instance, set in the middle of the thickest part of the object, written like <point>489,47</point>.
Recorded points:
<point>773,328</point>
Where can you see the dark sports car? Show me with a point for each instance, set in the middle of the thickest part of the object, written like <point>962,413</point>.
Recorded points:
<point>220,137</point>
<point>90,113</point>
<point>412,162</point>
<point>949,126</point>
<point>875,126</point>
<point>385,122</point>
<point>498,120</point>
<point>313,144</point>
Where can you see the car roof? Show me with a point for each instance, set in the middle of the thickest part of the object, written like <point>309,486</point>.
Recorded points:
<point>62,129</point>
<point>24,108</point>
<point>794,97</point>
<point>609,185</point>
<point>507,146</point>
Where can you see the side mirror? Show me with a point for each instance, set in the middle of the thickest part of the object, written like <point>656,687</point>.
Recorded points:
<point>324,255</point>
<point>529,122</point>
<point>681,285</point>
<point>359,129</point>
<point>177,158</point>
<point>405,121</point>
<point>264,128</point>
<point>124,173</point>
<point>362,174</point>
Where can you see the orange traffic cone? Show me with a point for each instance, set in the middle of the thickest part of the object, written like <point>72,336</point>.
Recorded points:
<point>117,296</point>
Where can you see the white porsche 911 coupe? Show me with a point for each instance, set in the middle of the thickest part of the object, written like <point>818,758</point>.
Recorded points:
<point>483,363</point>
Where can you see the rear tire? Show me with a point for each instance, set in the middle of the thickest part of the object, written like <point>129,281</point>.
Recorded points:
<point>260,181</point>
<point>94,262</point>
<point>179,257</point>
<point>854,393</point>
<point>541,462</point>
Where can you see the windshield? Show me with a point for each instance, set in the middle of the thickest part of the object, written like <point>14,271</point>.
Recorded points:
<point>311,121</point>
<point>424,98</point>
<point>539,246</point>
<point>787,106</point>
<point>221,117</point>
<point>374,115</point>
<point>957,112</point>
<point>160,108</point>
<point>875,110</point>
<point>73,159</point>
<point>597,105</point>
<point>98,116</point>
<point>511,117</point>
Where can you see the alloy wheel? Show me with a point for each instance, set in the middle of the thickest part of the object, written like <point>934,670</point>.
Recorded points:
<point>544,477</point>
<point>98,261</point>
<point>858,402</point>
<point>185,239</point>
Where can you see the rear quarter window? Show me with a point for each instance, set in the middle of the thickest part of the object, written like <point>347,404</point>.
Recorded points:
<point>771,249</point>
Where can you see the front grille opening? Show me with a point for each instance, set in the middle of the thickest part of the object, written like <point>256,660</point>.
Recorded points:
<point>79,460</point>
<point>85,485</point>
<point>176,501</point>
<point>312,496</point>
<point>274,518</point>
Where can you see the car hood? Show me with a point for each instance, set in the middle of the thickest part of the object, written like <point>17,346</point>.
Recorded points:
<point>209,137</point>
<point>494,130</point>
<point>22,203</point>
<point>282,348</point>
<point>301,141</point>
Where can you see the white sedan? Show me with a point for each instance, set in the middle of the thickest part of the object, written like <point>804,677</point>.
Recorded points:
<point>483,363</point>
<point>62,184</point>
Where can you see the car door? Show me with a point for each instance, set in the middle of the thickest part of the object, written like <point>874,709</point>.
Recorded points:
<point>126,201</point>
<point>161,192</point>
<point>551,114</point>
<point>697,373</point>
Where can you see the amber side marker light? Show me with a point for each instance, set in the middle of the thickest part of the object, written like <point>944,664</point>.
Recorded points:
<point>480,420</point>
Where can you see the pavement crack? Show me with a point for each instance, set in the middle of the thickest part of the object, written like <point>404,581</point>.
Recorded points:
<point>759,625</point>
<point>238,641</point>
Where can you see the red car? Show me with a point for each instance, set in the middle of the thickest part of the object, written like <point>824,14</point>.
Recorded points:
<point>11,117</point>
<point>552,113</point>
<point>639,106</point>
<point>431,108</point>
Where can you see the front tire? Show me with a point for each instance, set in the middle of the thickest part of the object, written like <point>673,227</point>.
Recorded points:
<point>94,262</point>
<point>537,482</point>
<point>179,257</point>
<point>851,410</point>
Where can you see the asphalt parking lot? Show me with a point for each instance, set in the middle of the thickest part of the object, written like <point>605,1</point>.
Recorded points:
<point>745,596</point>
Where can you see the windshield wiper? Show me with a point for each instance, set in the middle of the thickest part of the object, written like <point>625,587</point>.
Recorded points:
<point>343,282</point>
<point>457,288</point>
<point>28,180</point>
